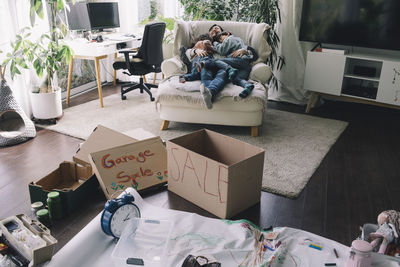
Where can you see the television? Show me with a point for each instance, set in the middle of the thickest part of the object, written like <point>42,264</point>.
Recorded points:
<point>78,18</point>
<point>363,23</point>
<point>103,15</point>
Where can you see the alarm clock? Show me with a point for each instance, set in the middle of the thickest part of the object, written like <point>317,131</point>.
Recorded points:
<point>116,214</point>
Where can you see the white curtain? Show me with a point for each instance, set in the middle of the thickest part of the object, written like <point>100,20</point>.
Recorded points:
<point>291,76</point>
<point>14,17</point>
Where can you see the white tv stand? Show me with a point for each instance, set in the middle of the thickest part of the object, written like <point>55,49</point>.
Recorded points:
<point>333,74</point>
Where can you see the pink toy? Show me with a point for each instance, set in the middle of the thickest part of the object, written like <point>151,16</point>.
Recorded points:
<point>360,254</point>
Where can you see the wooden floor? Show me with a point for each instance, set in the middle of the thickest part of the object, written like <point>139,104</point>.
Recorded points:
<point>358,178</point>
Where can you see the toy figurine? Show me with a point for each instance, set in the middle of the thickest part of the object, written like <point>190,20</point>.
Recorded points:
<point>388,231</point>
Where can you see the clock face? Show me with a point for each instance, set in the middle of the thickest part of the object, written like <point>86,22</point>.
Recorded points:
<point>121,217</point>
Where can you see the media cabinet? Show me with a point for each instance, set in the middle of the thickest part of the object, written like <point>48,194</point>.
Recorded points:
<point>360,78</point>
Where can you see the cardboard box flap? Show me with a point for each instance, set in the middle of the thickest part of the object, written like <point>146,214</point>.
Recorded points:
<point>67,177</point>
<point>218,147</point>
<point>101,138</point>
<point>140,165</point>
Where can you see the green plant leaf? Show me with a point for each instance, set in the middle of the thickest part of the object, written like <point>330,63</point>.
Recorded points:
<point>39,8</point>
<point>32,12</point>
<point>60,5</point>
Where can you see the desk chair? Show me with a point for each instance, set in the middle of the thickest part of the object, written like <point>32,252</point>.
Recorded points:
<point>148,59</point>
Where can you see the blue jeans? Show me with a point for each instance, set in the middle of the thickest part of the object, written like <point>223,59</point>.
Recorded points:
<point>214,80</point>
<point>195,75</point>
<point>243,66</point>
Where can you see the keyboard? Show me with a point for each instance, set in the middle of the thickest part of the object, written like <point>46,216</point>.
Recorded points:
<point>118,36</point>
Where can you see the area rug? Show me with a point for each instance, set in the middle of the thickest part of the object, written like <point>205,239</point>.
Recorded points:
<point>294,144</point>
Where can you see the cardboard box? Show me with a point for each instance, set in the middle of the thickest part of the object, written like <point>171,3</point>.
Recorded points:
<point>43,252</point>
<point>218,173</point>
<point>140,165</point>
<point>75,180</point>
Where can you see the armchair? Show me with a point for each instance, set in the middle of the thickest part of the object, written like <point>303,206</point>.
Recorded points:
<point>148,59</point>
<point>187,106</point>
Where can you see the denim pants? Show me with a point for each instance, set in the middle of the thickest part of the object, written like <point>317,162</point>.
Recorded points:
<point>195,75</point>
<point>213,79</point>
<point>243,66</point>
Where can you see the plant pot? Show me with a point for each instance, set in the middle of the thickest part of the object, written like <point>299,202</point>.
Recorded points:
<point>168,50</point>
<point>46,105</point>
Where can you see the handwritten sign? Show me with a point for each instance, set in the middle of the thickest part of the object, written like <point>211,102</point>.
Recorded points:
<point>217,173</point>
<point>139,165</point>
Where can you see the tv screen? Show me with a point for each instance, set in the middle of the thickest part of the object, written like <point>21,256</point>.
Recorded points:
<point>103,15</point>
<point>365,23</point>
<point>78,18</point>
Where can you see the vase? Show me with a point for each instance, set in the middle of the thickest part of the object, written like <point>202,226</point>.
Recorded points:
<point>46,105</point>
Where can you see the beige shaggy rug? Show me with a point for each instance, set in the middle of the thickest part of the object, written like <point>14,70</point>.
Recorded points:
<point>294,144</point>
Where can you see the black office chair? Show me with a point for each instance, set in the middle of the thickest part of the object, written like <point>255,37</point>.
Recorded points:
<point>148,59</point>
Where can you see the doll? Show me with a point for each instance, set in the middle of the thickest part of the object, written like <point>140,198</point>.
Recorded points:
<point>388,231</point>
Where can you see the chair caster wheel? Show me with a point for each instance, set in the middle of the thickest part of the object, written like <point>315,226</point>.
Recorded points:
<point>152,98</point>
<point>123,97</point>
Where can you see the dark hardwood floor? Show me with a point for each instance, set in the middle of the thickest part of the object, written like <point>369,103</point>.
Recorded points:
<point>358,178</point>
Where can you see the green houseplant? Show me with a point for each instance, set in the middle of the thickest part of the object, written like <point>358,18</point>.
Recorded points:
<point>45,55</point>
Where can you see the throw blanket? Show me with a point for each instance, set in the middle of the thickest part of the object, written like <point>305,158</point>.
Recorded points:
<point>172,89</point>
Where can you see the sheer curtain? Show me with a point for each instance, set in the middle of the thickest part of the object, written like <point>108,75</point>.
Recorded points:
<point>14,15</point>
<point>291,76</point>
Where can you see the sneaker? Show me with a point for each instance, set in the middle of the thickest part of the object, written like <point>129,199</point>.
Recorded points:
<point>232,73</point>
<point>182,79</point>
<point>206,94</point>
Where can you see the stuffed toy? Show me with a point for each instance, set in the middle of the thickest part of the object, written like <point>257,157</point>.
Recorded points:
<point>388,231</point>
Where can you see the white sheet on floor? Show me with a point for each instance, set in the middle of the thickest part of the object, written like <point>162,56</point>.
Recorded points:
<point>232,243</point>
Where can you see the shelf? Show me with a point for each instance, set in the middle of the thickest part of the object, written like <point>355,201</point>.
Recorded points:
<point>359,97</point>
<point>352,76</point>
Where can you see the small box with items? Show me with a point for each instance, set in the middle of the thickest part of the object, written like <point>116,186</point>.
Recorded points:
<point>74,181</point>
<point>24,242</point>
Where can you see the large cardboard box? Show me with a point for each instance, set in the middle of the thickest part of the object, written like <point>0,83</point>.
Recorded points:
<point>140,165</point>
<point>218,173</point>
<point>75,180</point>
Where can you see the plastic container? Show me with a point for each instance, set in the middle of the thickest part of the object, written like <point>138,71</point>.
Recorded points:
<point>360,254</point>
<point>54,204</point>
<point>143,242</point>
<point>43,217</point>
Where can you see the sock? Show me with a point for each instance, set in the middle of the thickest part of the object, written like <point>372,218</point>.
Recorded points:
<point>182,79</point>
<point>206,94</point>
<point>246,91</point>
<point>232,72</point>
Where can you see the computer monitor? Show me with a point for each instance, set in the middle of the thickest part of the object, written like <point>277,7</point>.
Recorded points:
<point>78,17</point>
<point>103,15</point>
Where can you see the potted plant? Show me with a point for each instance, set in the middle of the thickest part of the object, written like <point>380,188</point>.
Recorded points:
<point>45,56</point>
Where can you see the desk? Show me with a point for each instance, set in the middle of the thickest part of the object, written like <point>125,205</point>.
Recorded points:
<point>96,51</point>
